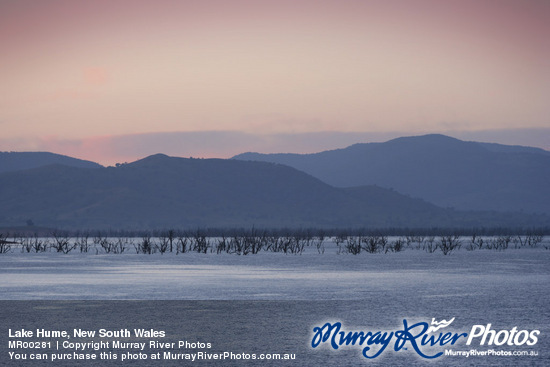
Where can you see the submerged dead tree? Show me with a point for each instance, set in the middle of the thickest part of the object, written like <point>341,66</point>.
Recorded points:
<point>61,242</point>
<point>5,245</point>
<point>447,244</point>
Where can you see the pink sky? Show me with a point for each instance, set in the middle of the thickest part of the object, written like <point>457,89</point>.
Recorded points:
<point>79,75</point>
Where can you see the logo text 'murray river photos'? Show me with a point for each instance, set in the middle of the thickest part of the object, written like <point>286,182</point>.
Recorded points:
<point>419,337</point>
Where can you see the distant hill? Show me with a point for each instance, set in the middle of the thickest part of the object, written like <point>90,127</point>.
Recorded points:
<point>162,192</point>
<point>442,170</point>
<point>16,161</point>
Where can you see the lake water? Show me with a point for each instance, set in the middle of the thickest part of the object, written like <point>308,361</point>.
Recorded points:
<point>287,295</point>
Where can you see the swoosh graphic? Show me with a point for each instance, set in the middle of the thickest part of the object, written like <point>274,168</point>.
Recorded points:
<point>439,325</point>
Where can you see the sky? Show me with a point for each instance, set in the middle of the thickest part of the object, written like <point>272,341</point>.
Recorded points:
<point>114,81</point>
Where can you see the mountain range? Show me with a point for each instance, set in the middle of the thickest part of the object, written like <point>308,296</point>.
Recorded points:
<point>160,192</point>
<point>17,161</point>
<point>439,169</point>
